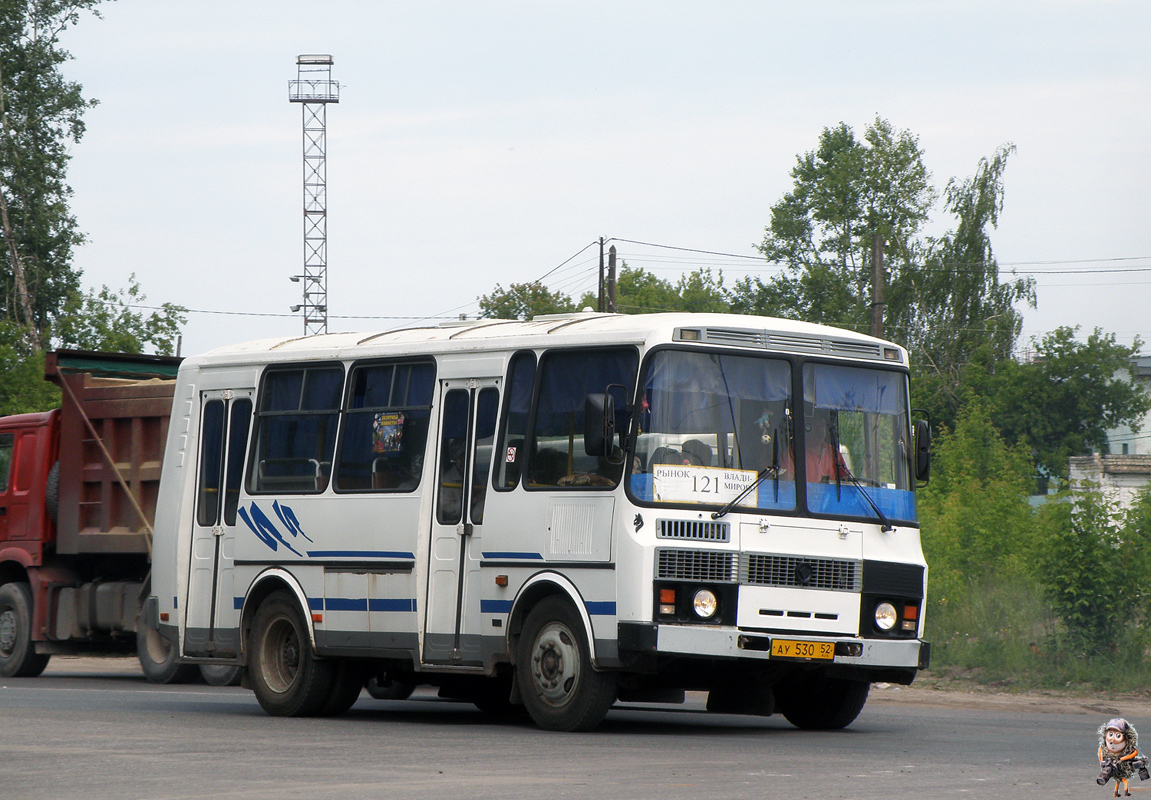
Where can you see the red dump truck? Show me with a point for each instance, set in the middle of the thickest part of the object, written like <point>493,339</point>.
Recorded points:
<point>77,503</point>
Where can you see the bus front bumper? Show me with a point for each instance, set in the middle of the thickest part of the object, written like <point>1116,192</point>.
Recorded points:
<point>715,642</point>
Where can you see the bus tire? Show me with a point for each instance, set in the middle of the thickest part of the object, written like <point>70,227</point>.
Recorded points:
<point>288,679</point>
<point>158,658</point>
<point>347,684</point>
<point>558,686</point>
<point>815,702</point>
<point>18,656</point>
<point>221,674</point>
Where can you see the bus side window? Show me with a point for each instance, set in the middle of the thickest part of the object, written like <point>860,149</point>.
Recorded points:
<point>385,427</point>
<point>514,427</point>
<point>567,377</point>
<point>296,429</point>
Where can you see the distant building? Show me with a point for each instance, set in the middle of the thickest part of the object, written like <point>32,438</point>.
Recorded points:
<point>1120,477</point>
<point>1123,441</point>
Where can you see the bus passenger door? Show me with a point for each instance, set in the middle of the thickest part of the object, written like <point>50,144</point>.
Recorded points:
<point>224,425</point>
<point>463,475</point>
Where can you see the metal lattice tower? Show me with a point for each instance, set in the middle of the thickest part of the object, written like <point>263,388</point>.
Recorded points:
<point>314,89</point>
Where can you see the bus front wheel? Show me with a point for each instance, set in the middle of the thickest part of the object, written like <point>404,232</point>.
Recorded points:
<point>289,681</point>
<point>815,702</point>
<point>553,667</point>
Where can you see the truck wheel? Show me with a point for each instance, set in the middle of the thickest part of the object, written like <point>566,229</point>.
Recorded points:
<point>18,656</point>
<point>288,679</point>
<point>221,674</point>
<point>813,702</point>
<point>158,658</point>
<point>553,667</point>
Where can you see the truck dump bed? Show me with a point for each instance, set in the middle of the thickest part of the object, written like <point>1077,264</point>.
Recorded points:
<point>113,426</point>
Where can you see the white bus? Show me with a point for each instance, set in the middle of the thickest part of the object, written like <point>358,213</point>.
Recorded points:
<point>555,514</point>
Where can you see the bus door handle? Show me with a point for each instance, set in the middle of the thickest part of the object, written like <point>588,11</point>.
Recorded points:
<point>464,529</point>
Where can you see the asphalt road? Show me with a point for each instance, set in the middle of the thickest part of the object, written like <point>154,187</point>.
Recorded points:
<point>83,731</point>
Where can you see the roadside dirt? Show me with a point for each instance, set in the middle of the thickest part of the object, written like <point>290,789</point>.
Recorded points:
<point>928,690</point>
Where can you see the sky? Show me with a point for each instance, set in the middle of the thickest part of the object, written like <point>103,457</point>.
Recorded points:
<point>485,143</point>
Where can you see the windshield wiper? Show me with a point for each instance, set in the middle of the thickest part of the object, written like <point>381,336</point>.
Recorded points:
<point>885,524</point>
<point>770,469</point>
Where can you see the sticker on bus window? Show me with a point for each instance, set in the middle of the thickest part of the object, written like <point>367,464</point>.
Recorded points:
<point>691,484</point>
<point>388,432</point>
<point>511,456</point>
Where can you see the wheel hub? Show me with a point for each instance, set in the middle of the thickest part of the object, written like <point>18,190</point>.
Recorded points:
<point>555,664</point>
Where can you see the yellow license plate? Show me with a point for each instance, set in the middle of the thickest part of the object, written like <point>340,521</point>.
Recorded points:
<point>789,648</point>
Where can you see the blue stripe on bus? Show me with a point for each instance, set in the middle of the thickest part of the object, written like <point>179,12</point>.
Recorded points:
<point>346,604</point>
<point>391,604</point>
<point>604,608</point>
<point>360,554</point>
<point>495,606</point>
<point>316,603</point>
<point>502,554</point>
<point>237,603</point>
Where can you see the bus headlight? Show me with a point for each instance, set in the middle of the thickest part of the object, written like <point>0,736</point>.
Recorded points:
<point>705,604</point>
<point>885,616</point>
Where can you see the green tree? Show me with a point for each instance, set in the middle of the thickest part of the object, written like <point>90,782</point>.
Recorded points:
<point>1062,401</point>
<point>112,321</point>
<point>847,194</point>
<point>963,539</point>
<point>958,305</point>
<point>1096,566</point>
<point>42,117</point>
<point>22,385</point>
<point>523,301</point>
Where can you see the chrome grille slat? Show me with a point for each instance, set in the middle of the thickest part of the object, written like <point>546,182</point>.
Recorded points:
<point>764,569</point>
<point>697,565</point>
<point>694,530</point>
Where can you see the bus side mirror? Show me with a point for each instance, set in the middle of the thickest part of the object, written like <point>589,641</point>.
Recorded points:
<point>599,425</point>
<point>922,450</point>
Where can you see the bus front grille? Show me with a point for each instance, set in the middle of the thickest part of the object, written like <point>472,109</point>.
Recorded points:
<point>697,565</point>
<point>695,530</point>
<point>760,569</point>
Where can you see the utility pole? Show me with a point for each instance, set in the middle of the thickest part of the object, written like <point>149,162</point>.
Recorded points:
<point>611,280</point>
<point>877,286</point>
<point>599,305</point>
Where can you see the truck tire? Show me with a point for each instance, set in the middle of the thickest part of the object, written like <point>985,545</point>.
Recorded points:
<point>52,492</point>
<point>288,679</point>
<point>553,667</point>
<point>18,656</point>
<point>221,674</point>
<point>158,659</point>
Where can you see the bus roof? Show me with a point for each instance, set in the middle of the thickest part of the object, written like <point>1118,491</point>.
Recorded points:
<point>729,330</point>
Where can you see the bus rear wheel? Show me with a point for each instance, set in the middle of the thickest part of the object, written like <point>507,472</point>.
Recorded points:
<point>559,688</point>
<point>289,681</point>
<point>18,656</point>
<point>815,702</point>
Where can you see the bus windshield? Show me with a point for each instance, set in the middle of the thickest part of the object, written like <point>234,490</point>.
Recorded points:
<point>710,425</point>
<point>857,442</point>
